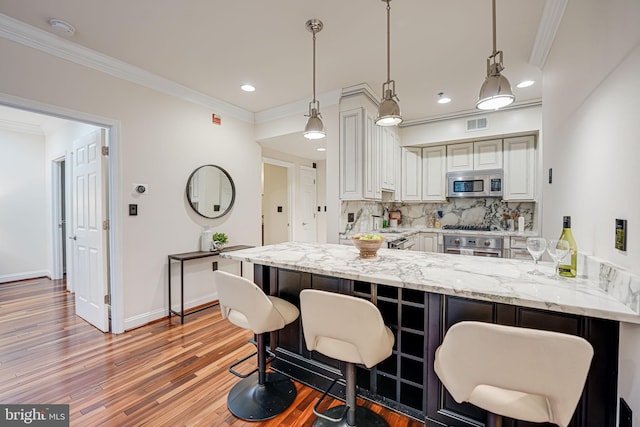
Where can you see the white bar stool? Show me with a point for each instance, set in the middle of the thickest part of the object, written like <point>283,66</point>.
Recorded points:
<point>520,373</point>
<point>351,330</point>
<point>260,395</point>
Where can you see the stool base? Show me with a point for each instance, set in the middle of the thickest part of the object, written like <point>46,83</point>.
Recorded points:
<point>250,401</point>
<point>365,417</point>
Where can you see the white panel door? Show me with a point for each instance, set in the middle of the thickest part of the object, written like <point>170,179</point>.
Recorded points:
<point>308,205</point>
<point>89,252</point>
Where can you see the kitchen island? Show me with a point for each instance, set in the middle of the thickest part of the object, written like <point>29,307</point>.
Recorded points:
<point>420,295</point>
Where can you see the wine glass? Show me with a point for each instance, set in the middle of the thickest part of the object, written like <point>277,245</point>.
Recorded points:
<point>536,247</point>
<point>557,249</point>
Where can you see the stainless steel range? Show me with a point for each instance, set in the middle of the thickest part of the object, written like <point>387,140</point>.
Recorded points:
<point>474,245</point>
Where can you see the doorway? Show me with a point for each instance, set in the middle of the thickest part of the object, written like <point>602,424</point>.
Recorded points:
<point>59,194</point>
<point>277,201</point>
<point>59,226</point>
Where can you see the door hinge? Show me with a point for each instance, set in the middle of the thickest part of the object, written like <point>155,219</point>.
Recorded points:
<point>105,224</point>
<point>107,299</point>
<point>105,151</point>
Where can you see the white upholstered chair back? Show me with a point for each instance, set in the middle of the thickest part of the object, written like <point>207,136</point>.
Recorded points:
<point>245,305</point>
<point>344,327</point>
<point>526,374</point>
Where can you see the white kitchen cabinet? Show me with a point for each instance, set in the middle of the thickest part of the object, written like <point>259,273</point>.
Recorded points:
<point>487,154</point>
<point>359,156</point>
<point>397,194</point>
<point>434,181</point>
<point>371,159</point>
<point>389,140</point>
<point>411,173</point>
<point>518,248</point>
<point>460,157</point>
<point>428,242</point>
<point>519,168</point>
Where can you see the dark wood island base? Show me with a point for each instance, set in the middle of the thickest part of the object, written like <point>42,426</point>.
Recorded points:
<point>406,382</point>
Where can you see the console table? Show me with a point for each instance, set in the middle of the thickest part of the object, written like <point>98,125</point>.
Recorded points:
<point>189,256</point>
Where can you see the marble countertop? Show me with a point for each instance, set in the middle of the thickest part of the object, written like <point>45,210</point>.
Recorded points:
<point>490,279</point>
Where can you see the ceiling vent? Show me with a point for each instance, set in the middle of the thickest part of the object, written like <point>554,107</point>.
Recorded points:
<point>476,124</point>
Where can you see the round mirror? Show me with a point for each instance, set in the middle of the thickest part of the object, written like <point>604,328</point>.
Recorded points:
<point>210,191</point>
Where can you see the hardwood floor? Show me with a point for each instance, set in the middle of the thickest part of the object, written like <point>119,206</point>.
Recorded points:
<point>163,374</point>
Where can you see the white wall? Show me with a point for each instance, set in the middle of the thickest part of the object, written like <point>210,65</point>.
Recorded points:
<point>161,141</point>
<point>23,207</point>
<point>591,95</point>
<point>506,122</point>
<point>275,194</point>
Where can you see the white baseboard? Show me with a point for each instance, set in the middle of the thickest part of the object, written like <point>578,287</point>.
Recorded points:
<point>24,276</point>
<point>151,316</point>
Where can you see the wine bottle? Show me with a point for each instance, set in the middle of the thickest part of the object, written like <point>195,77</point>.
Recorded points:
<point>568,265</point>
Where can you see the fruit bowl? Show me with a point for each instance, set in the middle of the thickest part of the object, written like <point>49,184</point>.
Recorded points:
<point>368,244</point>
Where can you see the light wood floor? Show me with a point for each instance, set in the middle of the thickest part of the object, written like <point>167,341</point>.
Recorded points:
<point>163,374</point>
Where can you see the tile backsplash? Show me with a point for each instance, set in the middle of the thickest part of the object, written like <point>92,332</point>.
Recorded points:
<point>481,212</point>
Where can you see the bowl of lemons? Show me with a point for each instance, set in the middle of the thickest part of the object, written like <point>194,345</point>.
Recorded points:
<point>368,244</point>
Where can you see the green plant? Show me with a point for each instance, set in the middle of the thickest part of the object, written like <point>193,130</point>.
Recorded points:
<point>220,237</point>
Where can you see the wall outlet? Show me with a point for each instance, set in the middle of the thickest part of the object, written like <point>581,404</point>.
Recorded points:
<point>621,234</point>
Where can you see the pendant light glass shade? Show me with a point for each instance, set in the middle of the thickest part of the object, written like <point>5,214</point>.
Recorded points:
<point>389,109</point>
<point>496,91</point>
<point>314,128</point>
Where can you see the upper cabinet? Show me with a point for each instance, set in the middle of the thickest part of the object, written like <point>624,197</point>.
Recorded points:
<point>519,168</point>
<point>460,157</point>
<point>411,173</point>
<point>351,154</point>
<point>474,155</point>
<point>434,177</point>
<point>487,154</point>
<point>369,160</point>
<point>389,141</point>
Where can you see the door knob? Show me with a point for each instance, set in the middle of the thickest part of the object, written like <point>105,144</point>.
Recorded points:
<point>304,223</point>
<point>72,237</point>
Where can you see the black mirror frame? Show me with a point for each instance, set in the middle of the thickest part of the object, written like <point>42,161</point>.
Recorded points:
<point>233,192</point>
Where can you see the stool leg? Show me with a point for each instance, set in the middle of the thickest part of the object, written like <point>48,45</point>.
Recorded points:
<point>356,415</point>
<point>262,358</point>
<point>350,377</point>
<point>262,395</point>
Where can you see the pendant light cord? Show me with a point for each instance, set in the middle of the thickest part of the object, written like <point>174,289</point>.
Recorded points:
<point>389,41</point>
<point>314,65</point>
<point>494,26</point>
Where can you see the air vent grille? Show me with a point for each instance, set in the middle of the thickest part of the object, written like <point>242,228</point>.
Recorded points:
<point>476,124</point>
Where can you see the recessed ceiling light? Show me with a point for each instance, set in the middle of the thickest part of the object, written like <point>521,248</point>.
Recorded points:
<point>525,83</point>
<point>321,149</point>
<point>248,88</point>
<point>443,99</point>
<point>61,27</point>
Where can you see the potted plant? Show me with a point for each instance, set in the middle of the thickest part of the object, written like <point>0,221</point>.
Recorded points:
<point>219,240</point>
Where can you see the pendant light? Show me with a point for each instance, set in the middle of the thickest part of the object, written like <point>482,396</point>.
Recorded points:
<point>389,110</point>
<point>495,92</point>
<point>315,127</point>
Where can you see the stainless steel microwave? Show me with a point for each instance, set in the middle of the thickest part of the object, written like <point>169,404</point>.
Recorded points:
<point>482,183</point>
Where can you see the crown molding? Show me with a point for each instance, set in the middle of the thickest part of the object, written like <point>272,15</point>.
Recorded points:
<point>326,99</point>
<point>361,89</point>
<point>19,32</point>
<point>549,23</point>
